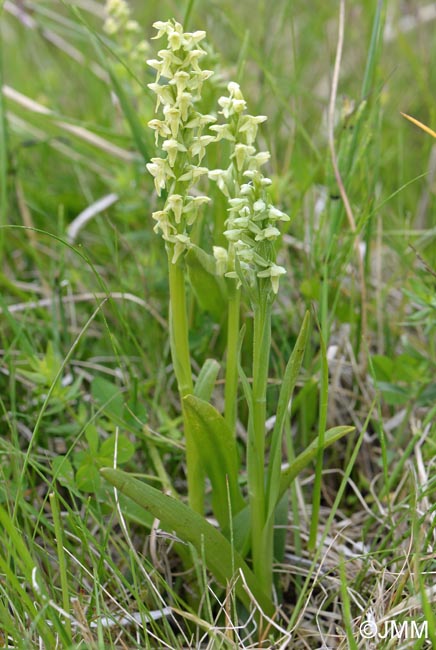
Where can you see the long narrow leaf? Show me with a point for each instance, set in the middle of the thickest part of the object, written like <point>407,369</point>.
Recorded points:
<point>221,559</point>
<point>130,115</point>
<point>322,421</point>
<point>287,388</point>
<point>241,523</point>
<point>303,459</point>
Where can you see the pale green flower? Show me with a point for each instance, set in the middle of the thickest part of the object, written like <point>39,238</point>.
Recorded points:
<point>182,243</point>
<point>277,215</point>
<point>270,233</point>
<point>198,147</point>
<point>191,40</point>
<point>242,153</point>
<point>160,169</point>
<point>222,177</point>
<point>181,80</point>
<point>192,206</point>
<point>233,234</point>
<point>198,121</point>
<point>185,101</point>
<point>222,259</point>
<point>110,26</point>
<point>168,61</point>
<point>161,129</point>
<point>273,272</point>
<point>259,205</point>
<point>192,173</point>
<point>249,125</point>
<point>163,94</point>
<point>163,223</point>
<point>172,148</point>
<point>258,160</point>
<point>173,117</point>
<point>175,203</point>
<point>223,131</point>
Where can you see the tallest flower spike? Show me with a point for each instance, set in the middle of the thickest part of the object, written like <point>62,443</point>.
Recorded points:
<point>180,132</point>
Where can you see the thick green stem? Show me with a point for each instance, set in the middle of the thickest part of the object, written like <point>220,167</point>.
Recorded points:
<point>256,444</point>
<point>179,341</point>
<point>231,386</point>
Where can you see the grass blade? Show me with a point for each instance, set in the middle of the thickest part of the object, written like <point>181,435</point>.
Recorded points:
<point>322,422</point>
<point>287,388</point>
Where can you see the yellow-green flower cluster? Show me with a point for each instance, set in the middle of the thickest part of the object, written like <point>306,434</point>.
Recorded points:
<point>179,132</point>
<point>119,24</point>
<point>251,227</point>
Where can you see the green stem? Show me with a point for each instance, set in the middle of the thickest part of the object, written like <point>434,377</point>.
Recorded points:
<point>231,385</point>
<point>262,565</point>
<point>179,341</point>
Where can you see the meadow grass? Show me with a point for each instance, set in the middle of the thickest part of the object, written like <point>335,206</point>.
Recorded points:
<point>86,373</point>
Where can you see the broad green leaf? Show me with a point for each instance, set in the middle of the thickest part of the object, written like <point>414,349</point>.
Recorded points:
<point>393,394</point>
<point>125,450</point>
<point>287,388</point>
<point>63,471</point>
<point>93,438</point>
<point>241,522</point>
<point>218,455</point>
<point>206,379</point>
<point>221,559</point>
<point>209,289</point>
<point>88,478</point>
<point>108,395</point>
<point>427,396</point>
<point>383,367</point>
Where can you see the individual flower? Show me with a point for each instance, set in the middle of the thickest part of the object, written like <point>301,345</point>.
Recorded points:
<point>273,272</point>
<point>221,258</point>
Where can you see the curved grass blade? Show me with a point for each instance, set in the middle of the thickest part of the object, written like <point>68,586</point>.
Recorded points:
<point>287,388</point>
<point>241,522</point>
<point>422,126</point>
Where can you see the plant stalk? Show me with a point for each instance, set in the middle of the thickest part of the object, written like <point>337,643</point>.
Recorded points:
<point>179,342</point>
<point>231,385</point>
<point>262,565</point>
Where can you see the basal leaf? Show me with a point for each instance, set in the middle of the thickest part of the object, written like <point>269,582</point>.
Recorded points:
<point>221,559</point>
<point>218,454</point>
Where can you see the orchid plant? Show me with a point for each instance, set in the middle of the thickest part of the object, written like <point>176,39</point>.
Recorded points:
<point>244,542</point>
